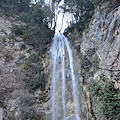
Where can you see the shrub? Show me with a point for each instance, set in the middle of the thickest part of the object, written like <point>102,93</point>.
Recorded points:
<point>111,103</point>
<point>24,17</point>
<point>30,114</point>
<point>11,36</point>
<point>22,57</point>
<point>95,62</point>
<point>25,65</point>
<point>17,30</point>
<point>35,82</point>
<point>7,55</point>
<point>95,89</point>
<point>3,39</point>
<point>109,98</point>
<point>23,46</point>
<point>34,72</point>
<point>33,35</point>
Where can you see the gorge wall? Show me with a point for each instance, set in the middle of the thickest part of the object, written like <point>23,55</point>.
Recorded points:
<point>99,52</point>
<point>97,58</point>
<point>103,38</point>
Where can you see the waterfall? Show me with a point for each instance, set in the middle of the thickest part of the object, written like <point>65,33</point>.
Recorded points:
<point>64,85</point>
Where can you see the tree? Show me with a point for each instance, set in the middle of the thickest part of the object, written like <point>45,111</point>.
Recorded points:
<point>24,5</point>
<point>36,31</point>
<point>15,6</point>
<point>82,11</point>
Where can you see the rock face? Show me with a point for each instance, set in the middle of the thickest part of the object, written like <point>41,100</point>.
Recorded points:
<point>100,47</point>
<point>10,74</point>
<point>104,37</point>
<point>14,96</point>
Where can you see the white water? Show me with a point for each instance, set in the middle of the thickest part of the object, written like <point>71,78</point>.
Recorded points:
<point>64,83</point>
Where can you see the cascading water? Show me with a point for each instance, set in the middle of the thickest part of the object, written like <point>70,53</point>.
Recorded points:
<point>65,100</point>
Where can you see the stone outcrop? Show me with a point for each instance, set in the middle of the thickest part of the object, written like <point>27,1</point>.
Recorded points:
<point>99,50</point>
<point>103,36</point>
<point>14,96</point>
<point>100,43</point>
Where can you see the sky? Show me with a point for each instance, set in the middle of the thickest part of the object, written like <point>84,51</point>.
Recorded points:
<point>67,18</point>
<point>63,20</point>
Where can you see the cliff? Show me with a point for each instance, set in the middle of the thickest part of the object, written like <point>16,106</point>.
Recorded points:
<point>97,58</point>
<point>99,51</point>
<point>103,37</point>
<point>16,100</point>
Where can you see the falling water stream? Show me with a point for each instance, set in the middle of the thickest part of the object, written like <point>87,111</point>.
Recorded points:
<point>65,100</point>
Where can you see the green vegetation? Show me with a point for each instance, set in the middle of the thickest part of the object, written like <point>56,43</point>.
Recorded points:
<point>39,16</point>
<point>95,64</point>
<point>7,55</point>
<point>111,105</point>
<point>3,39</point>
<point>30,114</point>
<point>103,92</point>
<point>11,36</point>
<point>33,35</point>
<point>36,31</point>
<point>23,46</point>
<point>12,7</point>
<point>95,89</point>
<point>35,77</point>
<point>17,30</point>
<point>89,66</point>
<point>83,11</point>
